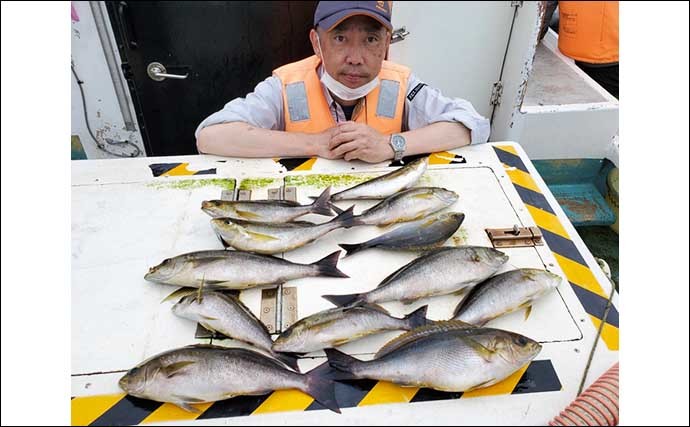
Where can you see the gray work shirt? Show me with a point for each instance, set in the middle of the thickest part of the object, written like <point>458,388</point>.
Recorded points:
<point>263,108</point>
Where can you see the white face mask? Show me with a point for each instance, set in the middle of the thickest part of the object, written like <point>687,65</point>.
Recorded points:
<point>340,90</point>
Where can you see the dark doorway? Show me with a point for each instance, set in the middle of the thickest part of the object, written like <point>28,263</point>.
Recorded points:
<point>224,48</point>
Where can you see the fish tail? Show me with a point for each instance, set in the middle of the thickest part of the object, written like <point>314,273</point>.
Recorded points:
<point>343,300</point>
<point>336,209</point>
<point>321,387</point>
<point>417,318</point>
<point>347,218</point>
<point>352,249</point>
<point>288,359</point>
<point>343,363</point>
<point>328,266</point>
<point>322,205</point>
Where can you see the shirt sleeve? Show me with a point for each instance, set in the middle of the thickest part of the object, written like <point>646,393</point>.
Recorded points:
<point>262,108</point>
<point>426,105</point>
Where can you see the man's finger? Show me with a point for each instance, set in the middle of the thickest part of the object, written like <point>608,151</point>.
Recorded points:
<point>349,126</point>
<point>345,148</point>
<point>353,155</point>
<point>341,138</point>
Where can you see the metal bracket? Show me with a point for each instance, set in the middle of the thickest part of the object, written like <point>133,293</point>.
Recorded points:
<point>516,3</point>
<point>279,305</point>
<point>515,237</point>
<point>268,315</point>
<point>496,93</point>
<point>283,193</point>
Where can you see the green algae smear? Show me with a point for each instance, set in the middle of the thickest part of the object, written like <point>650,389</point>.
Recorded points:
<point>254,183</point>
<point>323,180</point>
<point>189,184</point>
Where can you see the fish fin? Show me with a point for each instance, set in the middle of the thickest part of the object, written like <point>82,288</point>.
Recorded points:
<point>175,368</point>
<point>321,387</point>
<point>463,291</point>
<point>187,407</point>
<point>482,384</point>
<point>429,329</point>
<point>344,363</point>
<point>347,218</point>
<point>180,292</point>
<point>351,249</point>
<point>528,311</point>
<point>336,209</point>
<point>289,359</point>
<point>328,266</point>
<point>486,353</point>
<point>209,328</point>
<point>343,300</point>
<point>322,205</point>
<point>222,241</point>
<point>393,275</point>
<point>417,318</point>
<point>260,236</point>
<point>247,215</point>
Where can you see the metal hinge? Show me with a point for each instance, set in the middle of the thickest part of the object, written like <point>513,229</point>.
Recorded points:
<point>515,237</point>
<point>496,93</point>
<point>399,35</point>
<point>515,3</point>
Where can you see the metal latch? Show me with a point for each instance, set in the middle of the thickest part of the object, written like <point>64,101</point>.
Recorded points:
<point>399,35</point>
<point>515,237</point>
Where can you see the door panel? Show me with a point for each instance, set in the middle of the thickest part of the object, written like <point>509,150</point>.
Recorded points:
<point>226,48</point>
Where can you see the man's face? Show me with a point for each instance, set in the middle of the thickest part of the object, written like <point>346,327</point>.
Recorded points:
<point>353,51</point>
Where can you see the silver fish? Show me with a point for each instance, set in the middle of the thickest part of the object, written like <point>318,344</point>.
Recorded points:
<point>439,272</point>
<point>505,293</point>
<point>267,238</point>
<point>203,373</point>
<point>446,356</point>
<point>386,185</point>
<point>273,211</point>
<point>408,205</point>
<point>227,315</point>
<point>425,233</point>
<point>337,326</point>
<point>237,270</point>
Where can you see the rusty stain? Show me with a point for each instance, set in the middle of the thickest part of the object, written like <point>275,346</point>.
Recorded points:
<point>584,209</point>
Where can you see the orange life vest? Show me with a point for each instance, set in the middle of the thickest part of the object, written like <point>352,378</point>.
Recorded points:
<point>306,110</point>
<point>588,30</point>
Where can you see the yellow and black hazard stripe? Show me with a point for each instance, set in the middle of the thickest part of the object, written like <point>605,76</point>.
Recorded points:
<point>587,288</point>
<point>120,409</point>
<point>297,163</point>
<point>177,169</point>
<point>440,158</point>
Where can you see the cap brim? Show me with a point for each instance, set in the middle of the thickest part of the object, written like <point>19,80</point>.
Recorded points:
<point>329,23</point>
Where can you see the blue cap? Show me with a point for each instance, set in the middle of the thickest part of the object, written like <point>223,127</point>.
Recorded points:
<point>331,13</point>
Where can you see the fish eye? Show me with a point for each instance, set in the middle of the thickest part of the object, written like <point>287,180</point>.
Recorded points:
<point>521,340</point>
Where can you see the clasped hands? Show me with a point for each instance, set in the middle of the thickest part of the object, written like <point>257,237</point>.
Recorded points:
<point>354,141</point>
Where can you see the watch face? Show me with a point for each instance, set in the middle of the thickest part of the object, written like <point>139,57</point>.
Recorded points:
<point>398,142</point>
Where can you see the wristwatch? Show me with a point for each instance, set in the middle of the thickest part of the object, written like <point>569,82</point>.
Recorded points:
<point>398,144</point>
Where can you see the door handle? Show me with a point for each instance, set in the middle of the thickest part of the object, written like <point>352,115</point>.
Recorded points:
<point>157,72</point>
<point>399,35</point>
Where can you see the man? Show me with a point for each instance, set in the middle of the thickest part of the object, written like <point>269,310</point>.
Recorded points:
<point>346,101</point>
